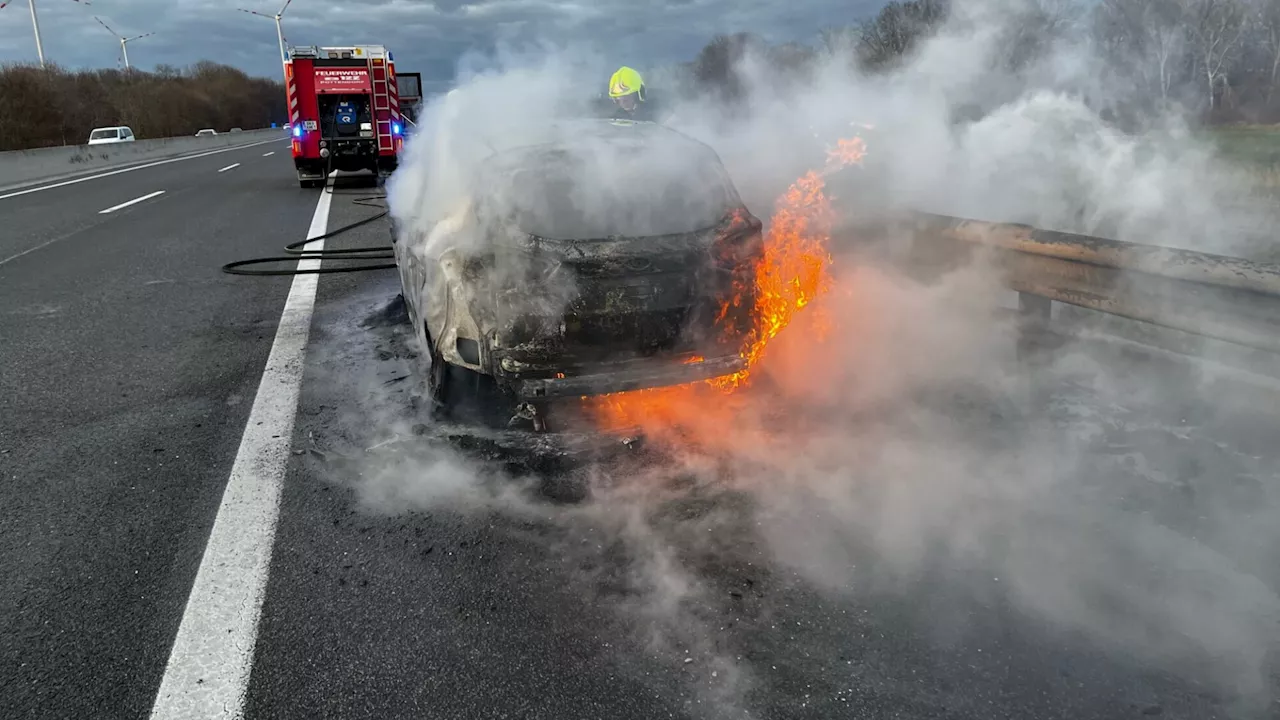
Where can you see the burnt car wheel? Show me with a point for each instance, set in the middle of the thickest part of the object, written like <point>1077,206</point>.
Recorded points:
<point>460,394</point>
<point>438,381</point>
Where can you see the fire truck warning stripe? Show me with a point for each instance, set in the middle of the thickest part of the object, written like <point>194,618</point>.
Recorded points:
<point>207,674</point>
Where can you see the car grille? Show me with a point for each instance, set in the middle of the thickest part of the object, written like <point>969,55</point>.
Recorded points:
<point>633,332</point>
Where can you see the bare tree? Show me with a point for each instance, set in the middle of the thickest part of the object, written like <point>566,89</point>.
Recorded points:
<point>1216,28</point>
<point>716,68</point>
<point>838,41</point>
<point>1149,33</point>
<point>898,29</point>
<point>1267,19</point>
<point>1034,26</point>
<point>1168,42</point>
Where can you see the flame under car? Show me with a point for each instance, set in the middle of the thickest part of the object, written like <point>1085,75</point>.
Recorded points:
<point>604,257</point>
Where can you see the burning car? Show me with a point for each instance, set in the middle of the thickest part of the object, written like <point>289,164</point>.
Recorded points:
<point>589,257</point>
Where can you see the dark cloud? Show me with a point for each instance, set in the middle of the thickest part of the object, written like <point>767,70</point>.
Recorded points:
<point>428,37</point>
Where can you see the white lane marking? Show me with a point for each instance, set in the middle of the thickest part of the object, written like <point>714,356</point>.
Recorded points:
<point>208,671</point>
<point>233,165</point>
<point>269,154</point>
<point>134,167</point>
<point>134,201</point>
<point>45,244</point>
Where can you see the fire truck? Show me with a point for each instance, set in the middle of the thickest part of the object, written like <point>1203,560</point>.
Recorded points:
<point>344,111</point>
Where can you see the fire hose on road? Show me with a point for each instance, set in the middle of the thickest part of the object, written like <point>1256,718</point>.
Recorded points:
<point>297,252</point>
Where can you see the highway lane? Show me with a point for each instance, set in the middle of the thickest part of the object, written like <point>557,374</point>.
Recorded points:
<point>403,587</point>
<point>130,363</point>
<point>68,207</point>
<point>400,586</point>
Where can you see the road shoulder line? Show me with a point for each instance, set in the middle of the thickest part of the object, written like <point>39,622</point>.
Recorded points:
<point>207,674</point>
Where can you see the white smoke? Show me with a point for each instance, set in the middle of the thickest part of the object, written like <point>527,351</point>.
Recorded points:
<point>938,462</point>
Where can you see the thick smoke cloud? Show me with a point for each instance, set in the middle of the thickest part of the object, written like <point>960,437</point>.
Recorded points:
<point>903,446</point>
<point>957,133</point>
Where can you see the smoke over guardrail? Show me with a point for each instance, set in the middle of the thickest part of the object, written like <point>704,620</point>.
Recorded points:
<point>1213,296</point>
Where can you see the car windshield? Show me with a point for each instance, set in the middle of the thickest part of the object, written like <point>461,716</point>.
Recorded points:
<point>620,189</point>
<point>104,134</point>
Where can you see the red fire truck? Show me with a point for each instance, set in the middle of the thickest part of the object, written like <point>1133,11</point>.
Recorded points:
<point>344,111</point>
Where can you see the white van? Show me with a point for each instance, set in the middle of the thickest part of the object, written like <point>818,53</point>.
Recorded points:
<point>106,135</point>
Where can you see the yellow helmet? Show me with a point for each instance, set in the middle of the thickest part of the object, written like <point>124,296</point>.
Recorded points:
<point>624,82</point>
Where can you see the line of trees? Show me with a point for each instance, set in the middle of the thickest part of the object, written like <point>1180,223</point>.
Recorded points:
<point>1215,60</point>
<point>53,106</point>
<point>1216,56</point>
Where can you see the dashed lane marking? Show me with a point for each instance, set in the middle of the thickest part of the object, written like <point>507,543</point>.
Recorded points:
<point>229,167</point>
<point>134,201</point>
<point>131,168</point>
<point>207,675</point>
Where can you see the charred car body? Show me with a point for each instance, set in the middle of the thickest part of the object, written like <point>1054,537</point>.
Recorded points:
<point>595,257</point>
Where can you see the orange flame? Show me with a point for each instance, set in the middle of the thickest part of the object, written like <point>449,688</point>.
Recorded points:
<point>848,151</point>
<point>794,271</point>
<point>794,268</point>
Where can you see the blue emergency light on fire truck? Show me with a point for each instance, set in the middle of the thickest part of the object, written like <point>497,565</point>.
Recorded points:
<point>344,108</point>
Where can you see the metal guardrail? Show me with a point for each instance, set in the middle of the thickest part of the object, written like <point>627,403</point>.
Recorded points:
<point>1213,296</point>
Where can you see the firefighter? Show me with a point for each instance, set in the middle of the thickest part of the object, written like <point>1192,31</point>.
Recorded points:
<point>629,95</point>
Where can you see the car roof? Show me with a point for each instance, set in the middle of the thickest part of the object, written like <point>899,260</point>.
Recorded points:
<point>531,147</point>
<point>604,160</point>
<point>572,133</point>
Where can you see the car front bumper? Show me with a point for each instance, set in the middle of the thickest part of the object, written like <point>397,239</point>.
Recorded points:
<point>626,376</point>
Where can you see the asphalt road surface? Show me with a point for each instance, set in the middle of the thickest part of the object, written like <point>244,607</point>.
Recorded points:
<point>166,555</point>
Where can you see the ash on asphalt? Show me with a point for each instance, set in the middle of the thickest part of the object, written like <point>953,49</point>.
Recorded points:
<point>415,578</point>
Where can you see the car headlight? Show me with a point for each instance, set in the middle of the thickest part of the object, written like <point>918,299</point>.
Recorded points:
<point>739,240</point>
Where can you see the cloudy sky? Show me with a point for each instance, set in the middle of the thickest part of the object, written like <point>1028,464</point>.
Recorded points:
<point>425,36</point>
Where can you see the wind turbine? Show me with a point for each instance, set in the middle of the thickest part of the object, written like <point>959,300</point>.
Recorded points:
<point>35,24</point>
<point>124,41</point>
<point>284,59</point>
